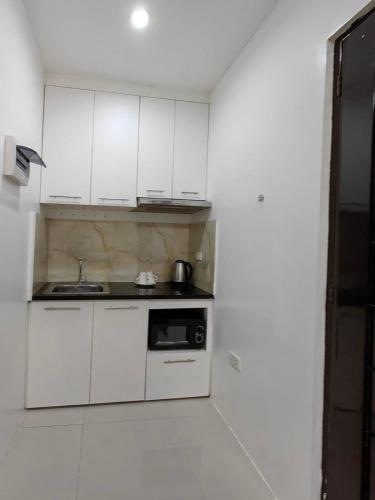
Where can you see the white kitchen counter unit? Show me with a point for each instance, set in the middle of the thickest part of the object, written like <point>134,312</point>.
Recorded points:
<point>95,351</point>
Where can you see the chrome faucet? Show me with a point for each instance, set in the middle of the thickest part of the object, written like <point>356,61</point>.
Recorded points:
<point>80,277</point>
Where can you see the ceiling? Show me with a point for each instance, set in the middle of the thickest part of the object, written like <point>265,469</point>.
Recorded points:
<point>188,44</point>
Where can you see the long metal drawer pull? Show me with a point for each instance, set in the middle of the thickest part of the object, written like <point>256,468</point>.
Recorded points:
<point>62,196</point>
<point>155,190</point>
<point>62,308</point>
<point>190,192</point>
<point>173,362</point>
<point>128,308</point>
<point>115,199</point>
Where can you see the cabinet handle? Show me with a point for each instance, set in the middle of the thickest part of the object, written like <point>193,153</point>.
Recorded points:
<point>190,192</point>
<point>64,196</point>
<point>123,200</point>
<point>62,308</point>
<point>155,190</point>
<point>68,197</point>
<point>128,308</point>
<point>175,361</point>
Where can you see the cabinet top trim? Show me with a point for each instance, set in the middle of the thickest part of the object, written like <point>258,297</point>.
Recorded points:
<point>71,81</point>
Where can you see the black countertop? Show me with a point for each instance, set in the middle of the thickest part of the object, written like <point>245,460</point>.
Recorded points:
<point>129,291</point>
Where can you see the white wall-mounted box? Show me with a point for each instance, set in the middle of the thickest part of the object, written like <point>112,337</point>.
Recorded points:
<point>17,161</point>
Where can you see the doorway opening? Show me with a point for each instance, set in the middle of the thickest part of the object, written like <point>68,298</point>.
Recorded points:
<point>349,402</point>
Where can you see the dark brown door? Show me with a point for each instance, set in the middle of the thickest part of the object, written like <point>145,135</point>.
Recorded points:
<point>349,341</point>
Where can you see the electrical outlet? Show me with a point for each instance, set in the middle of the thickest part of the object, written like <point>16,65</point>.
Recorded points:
<point>235,361</point>
<point>199,256</point>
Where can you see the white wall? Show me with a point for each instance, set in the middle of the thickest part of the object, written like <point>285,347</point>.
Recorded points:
<point>21,100</point>
<point>268,136</point>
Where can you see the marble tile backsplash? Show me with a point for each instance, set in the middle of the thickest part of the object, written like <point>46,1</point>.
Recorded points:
<point>41,251</point>
<point>119,251</point>
<point>115,251</point>
<point>203,239</point>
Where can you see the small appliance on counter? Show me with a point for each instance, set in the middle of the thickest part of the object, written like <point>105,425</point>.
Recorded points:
<point>182,272</point>
<point>146,279</point>
<point>171,329</point>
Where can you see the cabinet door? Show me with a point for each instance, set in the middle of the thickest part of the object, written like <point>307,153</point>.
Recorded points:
<point>67,145</point>
<point>119,351</point>
<point>156,137</point>
<point>59,353</point>
<point>190,151</point>
<point>115,150</point>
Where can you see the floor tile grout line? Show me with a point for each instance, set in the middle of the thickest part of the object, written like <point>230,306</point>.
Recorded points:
<point>124,421</point>
<point>50,425</point>
<point>79,460</point>
<point>170,415</point>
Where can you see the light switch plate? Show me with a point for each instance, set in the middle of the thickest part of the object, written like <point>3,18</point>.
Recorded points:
<point>235,361</point>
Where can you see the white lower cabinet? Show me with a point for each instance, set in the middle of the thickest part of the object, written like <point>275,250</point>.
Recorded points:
<point>182,374</point>
<point>59,353</point>
<point>119,351</point>
<point>82,352</point>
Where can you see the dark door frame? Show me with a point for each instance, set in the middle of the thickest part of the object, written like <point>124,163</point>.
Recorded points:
<point>332,243</point>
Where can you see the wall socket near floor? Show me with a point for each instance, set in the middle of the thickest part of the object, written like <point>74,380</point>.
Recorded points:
<point>235,361</point>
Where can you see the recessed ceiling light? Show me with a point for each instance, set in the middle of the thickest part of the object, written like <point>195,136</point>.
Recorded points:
<point>139,18</point>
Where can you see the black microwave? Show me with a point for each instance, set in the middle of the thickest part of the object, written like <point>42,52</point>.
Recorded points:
<point>171,329</point>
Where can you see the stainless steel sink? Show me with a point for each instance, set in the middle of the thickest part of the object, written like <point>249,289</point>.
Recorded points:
<point>77,289</point>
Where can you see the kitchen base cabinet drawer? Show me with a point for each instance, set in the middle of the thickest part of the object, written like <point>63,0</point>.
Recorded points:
<point>182,374</point>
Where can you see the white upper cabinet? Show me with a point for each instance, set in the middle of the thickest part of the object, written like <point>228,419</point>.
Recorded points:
<point>156,139</point>
<point>67,145</point>
<point>108,148</point>
<point>190,151</point>
<point>115,150</point>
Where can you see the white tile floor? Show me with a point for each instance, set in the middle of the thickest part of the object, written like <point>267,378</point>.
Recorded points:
<point>176,450</point>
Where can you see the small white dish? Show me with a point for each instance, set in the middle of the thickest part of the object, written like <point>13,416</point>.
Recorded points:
<point>146,278</point>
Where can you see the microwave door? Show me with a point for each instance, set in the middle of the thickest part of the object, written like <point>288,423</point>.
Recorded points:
<point>170,336</point>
